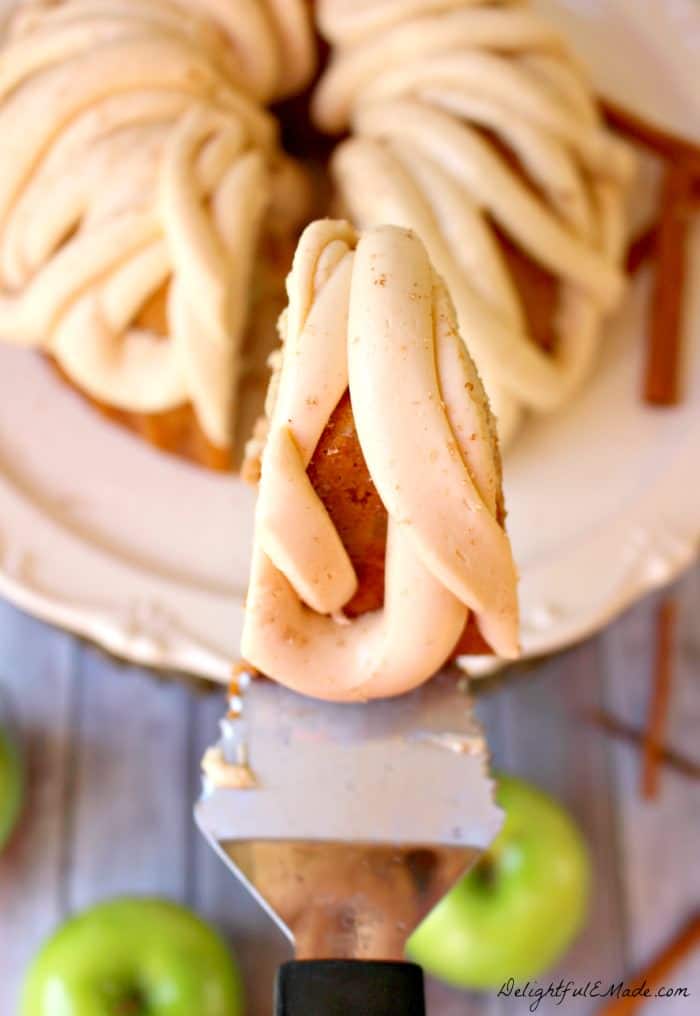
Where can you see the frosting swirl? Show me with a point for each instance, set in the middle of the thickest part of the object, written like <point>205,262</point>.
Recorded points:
<point>137,157</point>
<point>468,115</point>
<point>370,314</point>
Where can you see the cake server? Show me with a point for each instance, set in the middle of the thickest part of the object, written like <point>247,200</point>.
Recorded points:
<point>348,822</point>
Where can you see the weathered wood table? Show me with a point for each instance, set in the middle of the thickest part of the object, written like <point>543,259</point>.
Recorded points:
<point>113,765</point>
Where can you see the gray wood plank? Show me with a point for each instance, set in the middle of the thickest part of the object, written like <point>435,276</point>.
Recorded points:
<point>218,896</point>
<point>37,674</point>
<point>114,772</point>
<point>441,1000</point>
<point>659,838</point>
<point>131,814</point>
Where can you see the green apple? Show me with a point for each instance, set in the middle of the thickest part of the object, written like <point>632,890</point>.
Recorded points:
<point>518,909</point>
<point>11,785</point>
<point>133,957</point>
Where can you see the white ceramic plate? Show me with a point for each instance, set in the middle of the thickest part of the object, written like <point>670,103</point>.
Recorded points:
<point>148,556</point>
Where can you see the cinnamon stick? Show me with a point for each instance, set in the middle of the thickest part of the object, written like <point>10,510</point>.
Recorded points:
<point>642,249</point>
<point>666,144</point>
<point>656,974</point>
<point>611,725</point>
<point>680,195</point>
<point>659,699</point>
<point>695,192</point>
<point>661,381</point>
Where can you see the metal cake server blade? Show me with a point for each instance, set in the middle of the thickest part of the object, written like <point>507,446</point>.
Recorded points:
<point>359,818</point>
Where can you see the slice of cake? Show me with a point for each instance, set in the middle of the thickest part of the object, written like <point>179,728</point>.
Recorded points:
<point>379,548</point>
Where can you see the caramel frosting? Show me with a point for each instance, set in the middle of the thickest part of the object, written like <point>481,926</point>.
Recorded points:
<point>137,157</point>
<point>371,315</point>
<point>466,117</point>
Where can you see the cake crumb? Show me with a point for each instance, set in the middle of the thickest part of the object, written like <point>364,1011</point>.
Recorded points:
<point>231,775</point>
